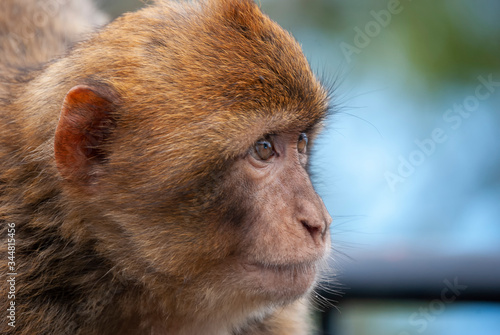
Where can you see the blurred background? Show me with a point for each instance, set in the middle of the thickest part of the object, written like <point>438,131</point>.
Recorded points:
<point>409,165</point>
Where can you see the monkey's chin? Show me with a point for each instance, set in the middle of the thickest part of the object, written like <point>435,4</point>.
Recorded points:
<point>284,282</point>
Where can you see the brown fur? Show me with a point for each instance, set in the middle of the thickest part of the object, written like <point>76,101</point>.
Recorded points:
<point>143,235</point>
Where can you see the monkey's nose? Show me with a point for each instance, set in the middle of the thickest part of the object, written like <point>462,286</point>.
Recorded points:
<point>315,218</point>
<point>317,229</point>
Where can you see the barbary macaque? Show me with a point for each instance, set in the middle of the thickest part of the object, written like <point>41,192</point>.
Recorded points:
<point>154,173</point>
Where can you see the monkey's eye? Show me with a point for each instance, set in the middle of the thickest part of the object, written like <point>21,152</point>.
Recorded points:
<point>263,150</point>
<point>302,143</point>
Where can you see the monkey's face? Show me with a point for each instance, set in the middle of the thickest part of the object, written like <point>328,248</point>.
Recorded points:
<point>286,225</point>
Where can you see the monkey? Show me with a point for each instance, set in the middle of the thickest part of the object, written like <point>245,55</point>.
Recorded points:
<point>154,173</point>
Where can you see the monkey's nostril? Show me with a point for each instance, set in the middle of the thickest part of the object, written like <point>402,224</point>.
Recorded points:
<point>314,230</point>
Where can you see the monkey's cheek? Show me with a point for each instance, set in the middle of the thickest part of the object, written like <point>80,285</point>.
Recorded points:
<point>286,283</point>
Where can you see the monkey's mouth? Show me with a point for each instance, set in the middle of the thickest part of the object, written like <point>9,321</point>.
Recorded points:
<point>292,267</point>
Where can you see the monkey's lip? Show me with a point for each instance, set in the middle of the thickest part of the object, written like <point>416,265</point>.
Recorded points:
<point>289,269</point>
<point>280,267</point>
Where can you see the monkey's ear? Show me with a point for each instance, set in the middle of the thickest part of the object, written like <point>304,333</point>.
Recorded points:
<point>86,122</point>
